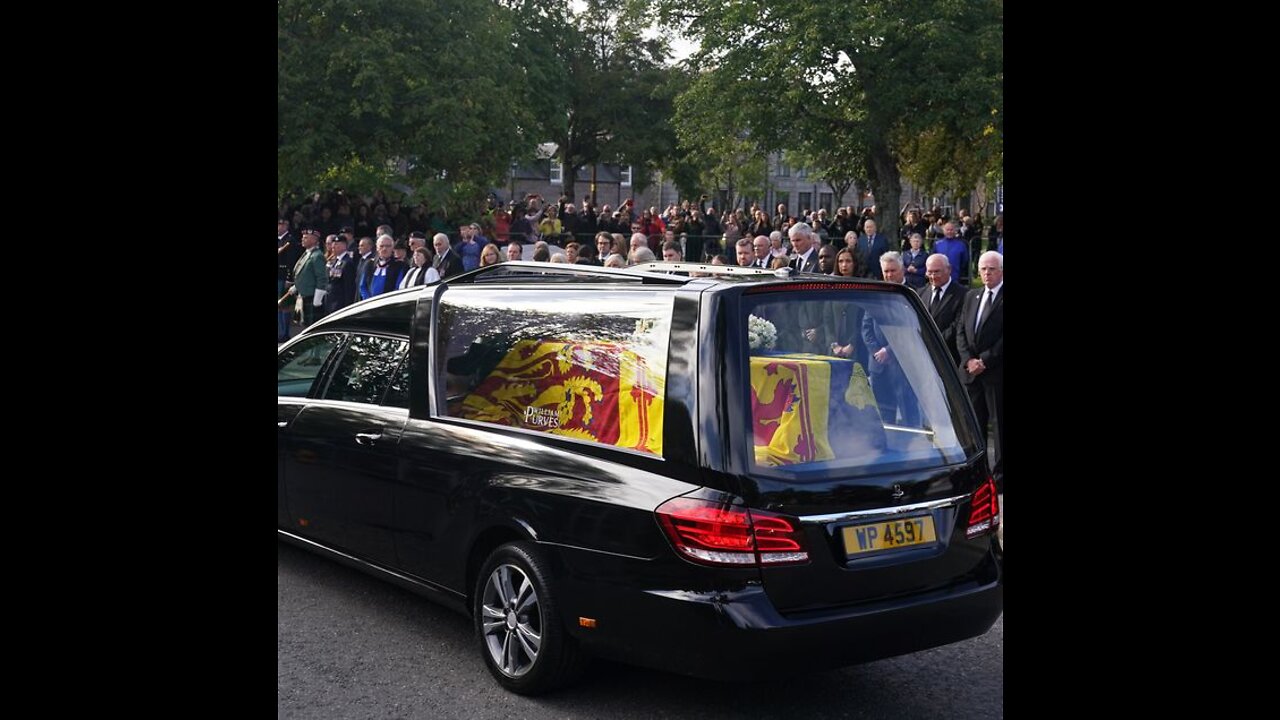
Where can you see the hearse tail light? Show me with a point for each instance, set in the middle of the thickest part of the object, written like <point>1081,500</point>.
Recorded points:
<point>714,534</point>
<point>984,516</point>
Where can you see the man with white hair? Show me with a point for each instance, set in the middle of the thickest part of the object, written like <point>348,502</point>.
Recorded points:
<point>943,298</point>
<point>642,255</point>
<point>760,245</point>
<point>980,341</point>
<point>898,404</point>
<point>383,273</point>
<point>802,240</point>
<point>447,262</point>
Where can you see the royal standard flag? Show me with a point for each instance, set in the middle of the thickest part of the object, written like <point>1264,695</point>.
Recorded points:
<point>806,408</point>
<point>602,392</point>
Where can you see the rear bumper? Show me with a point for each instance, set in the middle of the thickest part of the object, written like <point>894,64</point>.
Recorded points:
<point>739,635</point>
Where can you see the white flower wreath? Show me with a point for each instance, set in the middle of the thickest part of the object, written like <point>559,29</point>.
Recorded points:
<point>761,333</point>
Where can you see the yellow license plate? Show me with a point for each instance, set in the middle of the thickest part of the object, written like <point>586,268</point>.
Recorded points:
<point>888,535</point>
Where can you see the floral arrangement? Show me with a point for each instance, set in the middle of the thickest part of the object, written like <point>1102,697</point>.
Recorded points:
<point>761,333</point>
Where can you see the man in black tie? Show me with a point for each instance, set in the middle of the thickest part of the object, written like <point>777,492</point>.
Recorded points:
<point>802,241</point>
<point>760,245</point>
<point>448,263</point>
<point>980,341</point>
<point>342,277</point>
<point>943,298</point>
<point>872,247</point>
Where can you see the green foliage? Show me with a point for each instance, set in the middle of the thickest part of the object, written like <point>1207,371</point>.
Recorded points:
<point>851,85</point>
<point>595,87</point>
<point>715,148</point>
<point>366,87</point>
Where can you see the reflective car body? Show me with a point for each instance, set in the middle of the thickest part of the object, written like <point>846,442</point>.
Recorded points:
<point>611,463</point>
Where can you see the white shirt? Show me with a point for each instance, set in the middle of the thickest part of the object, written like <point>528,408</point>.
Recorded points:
<point>410,277</point>
<point>995,293</point>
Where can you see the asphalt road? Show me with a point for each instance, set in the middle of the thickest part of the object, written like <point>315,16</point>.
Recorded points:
<point>352,646</point>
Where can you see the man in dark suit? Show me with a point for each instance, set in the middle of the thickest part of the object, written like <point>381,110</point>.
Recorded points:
<point>803,242</point>
<point>871,247</point>
<point>943,298</point>
<point>980,340</point>
<point>760,246</point>
<point>288,250</point>
<point>342,277</point>
<point>366,256</point>
<point>448,263</point>
<point>888,381</point>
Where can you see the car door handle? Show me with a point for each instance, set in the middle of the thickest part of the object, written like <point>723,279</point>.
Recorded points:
<point>282,423</point>
<point>367,438</point>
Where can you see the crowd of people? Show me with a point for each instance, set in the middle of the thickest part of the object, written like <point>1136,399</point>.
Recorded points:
<point>702,231</point>
<point>320,271</point>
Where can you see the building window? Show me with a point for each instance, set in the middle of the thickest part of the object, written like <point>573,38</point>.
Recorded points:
<point>624,175</point>
<point>557,173</point>
<point>801,173</point>
<point>806,203</point>
<point>783,170</point>
<point>783,198</point>
<point>824,201</point>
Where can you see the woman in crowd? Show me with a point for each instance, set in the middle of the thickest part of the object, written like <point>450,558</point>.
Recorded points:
<point>760,225</point>
<point>421,272</point>
<point>913,261</point>
<point>551,227</point>
<point>844,318</point>
<point>489,255</point>
<point>363,225</point>
<point>620,246</point>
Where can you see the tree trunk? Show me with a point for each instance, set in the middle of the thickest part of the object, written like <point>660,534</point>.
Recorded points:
<point>887,187</point>
<point>568,177</point>
<point>839,189</point>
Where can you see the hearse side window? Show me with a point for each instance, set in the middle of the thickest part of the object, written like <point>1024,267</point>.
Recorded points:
<point>398,392</point>
<point>366,368</point>
<point>587,364</point>
<point>297,367</point>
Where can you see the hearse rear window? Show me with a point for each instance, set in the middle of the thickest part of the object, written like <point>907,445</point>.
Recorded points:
<point>589,365</point>
<point>823,396</point>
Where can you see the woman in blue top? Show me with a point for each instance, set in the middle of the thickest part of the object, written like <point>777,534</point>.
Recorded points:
<point>913,261</point>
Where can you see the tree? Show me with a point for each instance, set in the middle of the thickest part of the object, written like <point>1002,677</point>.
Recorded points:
<point>371,92</point>
<point>595,87</point>
<point>711,123</point>
<point>872,73</point>
<point>837,157</point>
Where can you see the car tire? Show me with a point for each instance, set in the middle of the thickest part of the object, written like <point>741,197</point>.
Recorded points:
<point>521,637</point>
